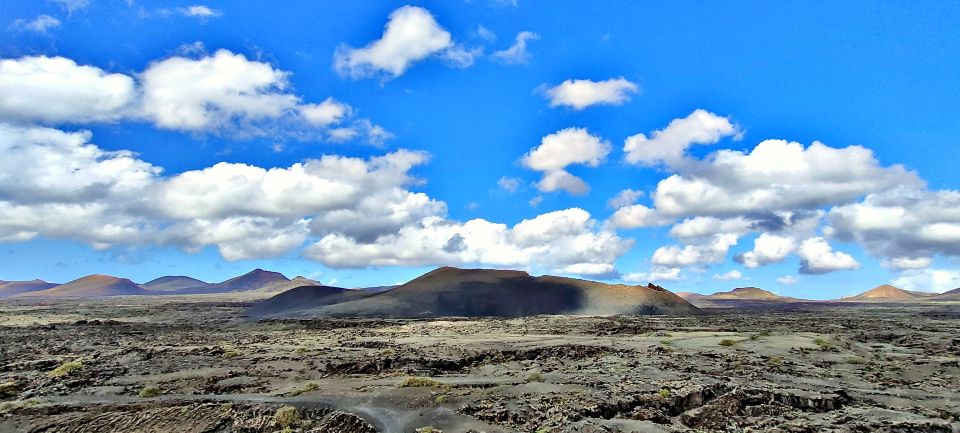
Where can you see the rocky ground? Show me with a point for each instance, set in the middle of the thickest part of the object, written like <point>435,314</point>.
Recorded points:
<point>176,366</point>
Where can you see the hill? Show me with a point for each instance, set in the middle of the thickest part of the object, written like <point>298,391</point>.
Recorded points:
<point>309,296</point>
<point>11,288</point>
<point>173,283</point>
<point>91,286</point>
<point>451,291</point>
<point>887,293</point>
<point>748,293</point>
<point>950,295</point>
<point>255,280</point>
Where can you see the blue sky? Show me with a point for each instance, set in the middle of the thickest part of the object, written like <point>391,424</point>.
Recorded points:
<point>462,134</point>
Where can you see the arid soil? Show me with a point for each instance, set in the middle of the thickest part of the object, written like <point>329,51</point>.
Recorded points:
<point>149,365</point>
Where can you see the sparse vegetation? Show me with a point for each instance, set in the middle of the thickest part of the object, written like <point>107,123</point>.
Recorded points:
<point>9,406</point>
<point>421,382</point>
<point>776,360</point>
<point>428,429</point>
<point>665,342</point>
<point>231,354</point>
<point>822,343</point>
<point>441,399</point>
<point>149,391</point>
<point>308,387</point>
<point>300,350</point>
<point>286,416</point>
<point>65,369</point>
<point>535,377</point>
<point>664,393</point>
<point>727,342</point>
<point>764,333</point>
<point>9,389</point>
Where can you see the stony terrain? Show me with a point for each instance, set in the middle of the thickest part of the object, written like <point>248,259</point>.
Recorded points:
<point>160,365</point>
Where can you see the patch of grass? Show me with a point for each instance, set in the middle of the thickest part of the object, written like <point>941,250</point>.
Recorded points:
<point>441,399</point>
<point>535,377</point>
<point>231,354</point>
<point>727,342</point>
<point>776,360</point>
<point>65,369</point>
<point>309,387</point>
<point>10,389</point>
<point>421,382</point>
<point>857,360</point>
<point>764,333</point>
<point>665,342</point>
<point>286,416</point>
<point>387,352</point>
<point>428,429</point>
<point>664,393</point>
<point>9,406</point>
<point>149,391</point>
<point>300,350</point>
<point>823,344</point>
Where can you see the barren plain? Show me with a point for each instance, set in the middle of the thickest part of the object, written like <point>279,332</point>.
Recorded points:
<point>153,364</point>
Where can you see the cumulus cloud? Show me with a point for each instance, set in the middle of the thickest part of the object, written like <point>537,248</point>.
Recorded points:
<point>626,197</point>
<point>40,24</point>
<point>561,149</point>
<point>656,274</point>
<point>411,35</point>
<point>767,249</point>
<point>563,241</point>
<point>713,250</point>
<point>354,212</point>
<point>58,90</point>
<point>637,216</point>
<point>907,226</point>
<point>580,94</point>
<point>729,276</point>
<point>818,257</point>
<point>929,280</point>
<point>668,145</point>
<point>517,53</point>
<point>72,6</point>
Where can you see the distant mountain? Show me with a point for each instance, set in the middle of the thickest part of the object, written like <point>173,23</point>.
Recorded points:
<point>173,283</point>
<point>11,288</point>
<point>257,279</point>
<point>305,296</point>
<point>90,286</point>
<point>951,295</point>
<point>887,293</point>
<point>451,291</point>
<point>739,294</point>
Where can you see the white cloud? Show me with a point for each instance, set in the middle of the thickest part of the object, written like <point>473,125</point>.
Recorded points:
<point>57,90</point>
<point>818,257</point>
<point>903,263</point>
<point>669,145</point>
<point>517,53</point>
<point>200,11</point>
<point>729,276</point>
<point>699,227</point>
<point>563,241</point>
<point>776,176</point>
<point>40,24</point>
<point>328,112</point>
<point>712,251</point>
<point>509,184</point>
<point>72,6</point>
<point>907,226</point>
<point>534,202</point>
<point>411,35</point>
<point>580,94</point>
<point>355,212</point>
<point>788,280</point>
<point>626,197</point>
<point>211,92</point>
<point>486,34</point>
<point>767,249</point>
<point>655,274</point>
<point>637,216</point>
<point>929,280</point>
<point>563,148</point>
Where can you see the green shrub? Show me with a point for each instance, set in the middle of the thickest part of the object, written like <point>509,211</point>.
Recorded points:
<point>231,354</point>
<point>286,416</point>
<point>428,429</point>
<point>664,393</point>
<point>65,369</point>
<point>421,382</point>
<point>149,391</point>
<point>309,387</point>
<point>535,377</point>
<point>727,342</point>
